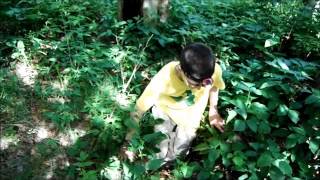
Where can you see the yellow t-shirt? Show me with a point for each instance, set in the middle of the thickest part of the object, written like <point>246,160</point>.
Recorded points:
<point>183,105</point>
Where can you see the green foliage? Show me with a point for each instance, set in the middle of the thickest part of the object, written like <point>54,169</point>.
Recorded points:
<point>92,67</point>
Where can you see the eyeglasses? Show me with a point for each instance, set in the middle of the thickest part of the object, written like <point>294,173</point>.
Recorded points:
<point>194,83</point>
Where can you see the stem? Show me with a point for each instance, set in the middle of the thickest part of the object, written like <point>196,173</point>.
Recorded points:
<point>136,67</point>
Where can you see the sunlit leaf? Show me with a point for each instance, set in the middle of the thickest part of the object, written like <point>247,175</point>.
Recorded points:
<point>231,115</point>
<point>293,115</point>
<point>314,146</point>
<point>282,110</point>
<point>272,41</point>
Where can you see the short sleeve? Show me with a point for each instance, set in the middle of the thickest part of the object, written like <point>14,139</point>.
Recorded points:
<point>155,87</point>
<point>217,77</point>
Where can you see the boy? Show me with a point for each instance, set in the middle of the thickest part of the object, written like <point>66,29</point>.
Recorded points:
<point>179,94</point>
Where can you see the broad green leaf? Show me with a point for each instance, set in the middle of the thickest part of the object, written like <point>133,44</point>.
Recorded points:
<point>252,124</point>
<point>264,128</point>
<point>265,160</point>
<point>285,167</point>
<point>138,170</point>
<point>313,146</point>
<point>213,155</point>
<point>224,147</point>
<point>282,64</point>
<point>204,174</point>
<point>272,41</point>
<point>231,115</point>
<point>201,147</point>
<point>256,146</point>
<point>154,137</point>
<point>242,110</point>
<point>282,110</point>
<point>272,105</point>
<point>253,177</point>
<point>276,174</point>
<point>312,99</point>
<point>239,125</point>
<point>187,171</point>
<point>243,177</point>
<point>238,161</point>
<point>293,115</point>
<point>292,140</point>
<point>299,130</point>
<point>296,105</point>
<point>269,84</point>
<point>89,175</point>
<point>83,156</point>
<point>260,110</point>
<point>154,164</point>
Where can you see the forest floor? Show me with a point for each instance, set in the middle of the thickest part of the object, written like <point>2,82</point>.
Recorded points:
<point>29,143</point>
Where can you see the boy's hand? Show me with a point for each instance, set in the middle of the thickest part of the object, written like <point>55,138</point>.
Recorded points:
<point>217,121</point>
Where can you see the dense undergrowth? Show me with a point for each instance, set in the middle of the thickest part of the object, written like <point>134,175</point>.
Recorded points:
<point>91,67</point>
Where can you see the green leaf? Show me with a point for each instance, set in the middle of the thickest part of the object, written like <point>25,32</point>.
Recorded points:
<point>154,164</point>
<point>292,140</point>
<point>272,41</point>
<point>265,160</point>
<point>260,110</point>
<point>242,110</point>
<point>89,175</point>
<point>282,64</point>
<point>204,174</point>
<point>285,167</point>
<point>154,137</point>
<point>264,128</point>
<point>138,170</point>
<point>238,161</point>
<point>239,125</point>
<point>272,105</point>
<point>243,177</point>
<point>313,146</point>
<point>276,174</point>
<point>213,155</point>
<point>190,98</point>
<point>312,99</point>
<point>83,156</point>
<point>231,115</point>
<point>293,115</point>
<point>269,84</point>
<point>187,171</point>
<point>282,110</point>
<point>202,147</point>
<point>253,177</point>
<point>252,124</point>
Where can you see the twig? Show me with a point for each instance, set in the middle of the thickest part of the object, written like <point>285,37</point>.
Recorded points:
<point>136,67</point>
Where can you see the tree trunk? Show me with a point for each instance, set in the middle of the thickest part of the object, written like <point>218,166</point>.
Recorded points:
<point>151,10</point>
<point>128,9</point>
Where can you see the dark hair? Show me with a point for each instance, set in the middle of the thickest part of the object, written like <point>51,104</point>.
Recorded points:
<point>197,61</point>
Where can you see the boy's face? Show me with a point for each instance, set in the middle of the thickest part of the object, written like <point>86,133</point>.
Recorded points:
<point>194,84</point>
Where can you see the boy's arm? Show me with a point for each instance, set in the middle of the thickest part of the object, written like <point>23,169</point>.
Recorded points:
<point>214,116</point>
<point>149,97</point>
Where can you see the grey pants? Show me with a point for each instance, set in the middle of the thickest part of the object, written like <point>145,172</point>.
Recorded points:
<point>178,139</point>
